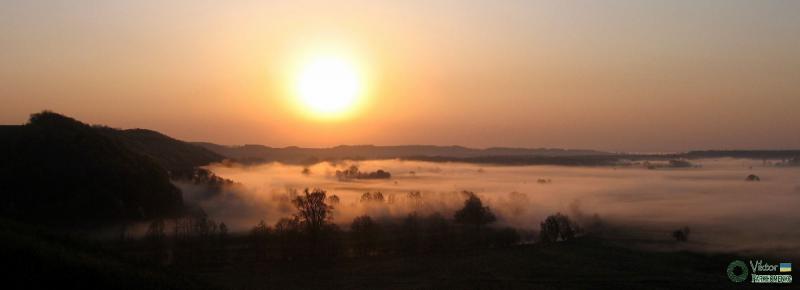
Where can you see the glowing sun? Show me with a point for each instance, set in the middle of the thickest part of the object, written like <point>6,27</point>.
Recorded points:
<point>328,85</point>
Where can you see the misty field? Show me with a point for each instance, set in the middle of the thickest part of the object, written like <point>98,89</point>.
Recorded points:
<point>637,206</point>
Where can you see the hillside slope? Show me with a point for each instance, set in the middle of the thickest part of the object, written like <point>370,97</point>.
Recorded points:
<point>172,154</point>
<point>57,170</point>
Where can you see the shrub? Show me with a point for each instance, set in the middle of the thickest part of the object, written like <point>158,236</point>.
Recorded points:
<point>557,227</point>
<point>681,235</point>
<point>753,177</point>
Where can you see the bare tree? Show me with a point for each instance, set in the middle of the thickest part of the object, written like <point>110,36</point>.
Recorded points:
<point>313,212</point>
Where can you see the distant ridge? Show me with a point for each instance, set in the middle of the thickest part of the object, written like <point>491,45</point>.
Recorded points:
<point>493,155</point>
<point>292,154</point>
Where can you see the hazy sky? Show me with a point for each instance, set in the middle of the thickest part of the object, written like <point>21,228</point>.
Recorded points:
<point>611,75</point>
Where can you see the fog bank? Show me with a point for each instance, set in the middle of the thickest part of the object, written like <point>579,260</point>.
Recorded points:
<point>724,212</point>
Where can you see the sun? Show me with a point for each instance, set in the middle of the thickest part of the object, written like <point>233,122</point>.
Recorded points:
<point>328,86</point>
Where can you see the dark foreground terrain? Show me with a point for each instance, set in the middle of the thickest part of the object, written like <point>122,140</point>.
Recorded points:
<point>72,196</point>
<point>33,258</point>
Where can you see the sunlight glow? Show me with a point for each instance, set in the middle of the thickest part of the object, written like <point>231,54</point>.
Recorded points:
<point>328,86</point>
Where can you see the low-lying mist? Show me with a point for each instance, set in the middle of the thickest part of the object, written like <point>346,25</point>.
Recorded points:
<point>724,212</point>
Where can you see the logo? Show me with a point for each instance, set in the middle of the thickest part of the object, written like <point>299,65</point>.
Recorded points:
<point>759,272</point>
<point>737,271</point>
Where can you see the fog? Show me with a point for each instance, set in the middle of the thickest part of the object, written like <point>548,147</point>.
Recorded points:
<point>637,205</point>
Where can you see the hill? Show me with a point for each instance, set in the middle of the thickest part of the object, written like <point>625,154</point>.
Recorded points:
<point>170,153</point>
<point>57,170</point>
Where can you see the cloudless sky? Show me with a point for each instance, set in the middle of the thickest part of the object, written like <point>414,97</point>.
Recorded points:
<point>610,75</point>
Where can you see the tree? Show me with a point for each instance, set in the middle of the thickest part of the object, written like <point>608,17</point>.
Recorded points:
<point>223,231</point>
<point>753,177</point>
<point>410,234</point>
<point>287,232</point>
<point>681,235</point>
<point>370,197</point>
<point>365,235</point>
<point>366,197</point>
<point>557,227</point>
<point>438,234</point>
<point>259,235</point>
<point>333,199</point>
<point>474,213</point>
<point>312,210</point>
<point>157,238</point>
<point>155,232</point>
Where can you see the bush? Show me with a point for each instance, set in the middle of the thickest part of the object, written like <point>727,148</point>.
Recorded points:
<point>681,235</point>
<point>753,177</point>
<point>557,227</point>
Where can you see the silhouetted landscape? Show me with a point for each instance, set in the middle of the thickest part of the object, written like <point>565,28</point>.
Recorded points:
<point>112,208</point>
<point>399,144</point>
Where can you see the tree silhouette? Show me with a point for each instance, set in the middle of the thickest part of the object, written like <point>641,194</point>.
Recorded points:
<point>370,197</point>
<point>365,235</point>
<point>287,232</point>
<point>333,199</point>
<point>155,231</point>
<point>438,233</point>
<point>223,232</point>
<point>474,213</point>
<point>681,235</point>
<point>157,238</point>
<point>312,210</point>
<point>259,236</point>
<point>557,227</point>
<point>410,234</point>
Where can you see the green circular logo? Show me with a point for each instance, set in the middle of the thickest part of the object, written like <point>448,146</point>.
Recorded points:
<point>737,278</point>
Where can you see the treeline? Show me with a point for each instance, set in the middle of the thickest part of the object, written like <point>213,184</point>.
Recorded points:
<point>311,234</point>
<point>577,160</point>
<point>354,173</point>
<point>751,154</point>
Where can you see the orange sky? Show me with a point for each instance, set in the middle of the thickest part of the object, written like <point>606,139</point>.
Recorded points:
<point>616,75</point>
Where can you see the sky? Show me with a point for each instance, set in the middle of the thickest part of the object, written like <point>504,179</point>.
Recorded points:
<point>650,76</point>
